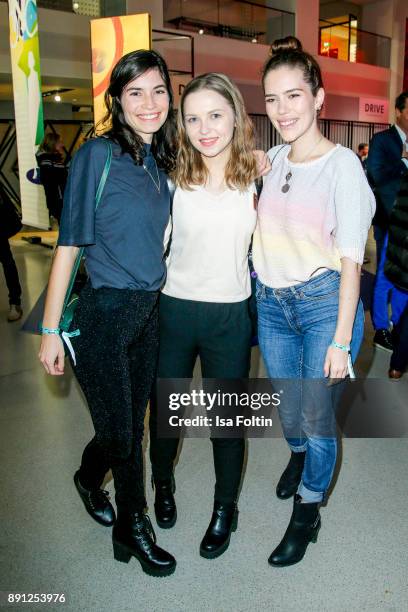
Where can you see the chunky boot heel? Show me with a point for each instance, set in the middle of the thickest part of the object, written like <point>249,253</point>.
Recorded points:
<point>303,528</point>
<point>291,476</point>
<point>120,553</point>
<point>164,503</point>
<point>133,536</point>
<point>223,522</point>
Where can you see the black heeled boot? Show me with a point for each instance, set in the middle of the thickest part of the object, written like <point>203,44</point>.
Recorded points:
<point>303,528</point>
<point>223,522</point>
<point>133,535</point>
<point>96,503</point>
<point>291,476</point>
<point>164,503</point>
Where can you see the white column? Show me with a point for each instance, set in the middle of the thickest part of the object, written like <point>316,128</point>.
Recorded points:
<point>397,51</point>
<point>307,24</point>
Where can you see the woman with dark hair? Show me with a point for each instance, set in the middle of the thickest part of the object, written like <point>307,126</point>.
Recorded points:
<point>204,304</point>
<point>313,217</point>
<point>117,315</point>
<point>53,172</point>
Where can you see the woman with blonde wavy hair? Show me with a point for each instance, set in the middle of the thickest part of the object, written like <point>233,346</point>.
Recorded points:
<point>204,303</point>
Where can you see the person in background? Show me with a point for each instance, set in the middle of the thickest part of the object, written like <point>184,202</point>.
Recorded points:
<point>362,153</point>
<point>387,162</point>
<point>314,214</point>
<point>117,315</point>
<point>53,172</point>
<point>396,270</point>
<point>10,224</point>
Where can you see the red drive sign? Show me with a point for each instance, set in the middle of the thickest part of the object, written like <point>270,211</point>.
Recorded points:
<point>374,110</point>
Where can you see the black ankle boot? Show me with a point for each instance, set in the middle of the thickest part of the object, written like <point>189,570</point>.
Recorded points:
<point>291,477</point>
<point>224,520</point>
<point>303,528</point>
<point>164,503</point>
<point>133,535</point>
<point>96,503</point>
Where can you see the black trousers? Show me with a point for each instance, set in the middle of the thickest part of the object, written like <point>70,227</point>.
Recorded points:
<point>10,272</point>
<point>220,334</point>
<point>399,357</point>
<point>116,355</point>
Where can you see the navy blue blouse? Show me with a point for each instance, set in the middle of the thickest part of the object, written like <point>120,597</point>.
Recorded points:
<point>124,240</point>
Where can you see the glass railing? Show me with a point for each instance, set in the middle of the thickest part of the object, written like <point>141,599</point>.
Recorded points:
<point>354,45</point>
<point>240,19</point>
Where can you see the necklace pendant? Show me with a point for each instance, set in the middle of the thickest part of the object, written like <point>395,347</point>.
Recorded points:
<point>285,188</point>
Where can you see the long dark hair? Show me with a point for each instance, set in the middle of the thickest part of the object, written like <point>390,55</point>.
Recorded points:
<point>129,67</point>
<point>49,143</point>
<point>289,52</point>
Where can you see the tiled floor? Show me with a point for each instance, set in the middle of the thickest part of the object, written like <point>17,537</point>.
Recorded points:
<point>49,544</point>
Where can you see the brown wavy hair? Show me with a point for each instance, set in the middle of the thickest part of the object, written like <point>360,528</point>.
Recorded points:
<point>241,167</point>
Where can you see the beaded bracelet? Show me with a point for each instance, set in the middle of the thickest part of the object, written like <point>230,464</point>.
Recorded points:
<point>48,330</point>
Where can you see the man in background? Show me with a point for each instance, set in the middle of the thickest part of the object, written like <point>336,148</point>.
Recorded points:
<point>362,153</point>
<point>387,163</point>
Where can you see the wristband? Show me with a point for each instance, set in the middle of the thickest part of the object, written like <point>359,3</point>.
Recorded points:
<point>49,331</point>
<point>343,347</point>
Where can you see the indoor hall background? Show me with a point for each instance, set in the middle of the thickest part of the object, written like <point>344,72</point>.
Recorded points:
<point>74,132</point>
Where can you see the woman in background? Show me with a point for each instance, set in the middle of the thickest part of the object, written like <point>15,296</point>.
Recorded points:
<point>53,172</point>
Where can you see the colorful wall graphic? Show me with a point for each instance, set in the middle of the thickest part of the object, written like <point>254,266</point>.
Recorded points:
<point>111,38</point>
<point>25,64</point>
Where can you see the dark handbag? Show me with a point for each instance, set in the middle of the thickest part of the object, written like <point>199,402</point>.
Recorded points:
<point>253,311</point>
<point>10,222</point>
<point>33,323</point>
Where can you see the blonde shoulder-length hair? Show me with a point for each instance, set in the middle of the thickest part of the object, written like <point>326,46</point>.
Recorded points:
<point>241,168</point>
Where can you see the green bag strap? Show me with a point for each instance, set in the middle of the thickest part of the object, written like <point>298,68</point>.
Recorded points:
<point>98,197</point>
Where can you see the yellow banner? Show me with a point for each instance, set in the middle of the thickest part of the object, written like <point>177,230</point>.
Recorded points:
<point>25,66</point>
<point>111,38</point>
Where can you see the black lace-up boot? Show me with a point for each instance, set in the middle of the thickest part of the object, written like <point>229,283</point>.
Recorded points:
<point>133,535</point>
<point>97,504</point>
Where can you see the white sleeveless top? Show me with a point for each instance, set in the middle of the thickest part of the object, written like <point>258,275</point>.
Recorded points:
<point>208,258</point>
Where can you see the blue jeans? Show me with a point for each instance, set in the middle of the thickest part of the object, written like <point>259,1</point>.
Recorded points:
<point>385,292</point>
<point>295,327</point>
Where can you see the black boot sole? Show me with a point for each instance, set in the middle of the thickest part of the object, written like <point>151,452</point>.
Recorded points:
<point>166,525</point>
<point>313,540</point>
<point>217,553</point>
<point>124,554</point>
